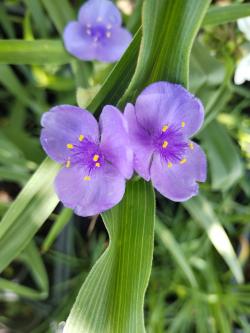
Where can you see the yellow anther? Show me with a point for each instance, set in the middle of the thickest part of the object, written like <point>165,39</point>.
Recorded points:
<point>170,165</point>
<point>96,158</point>
<point>98,165</point>
<point>81,137</point>
<point>184,160</point>
<point>70,146</point>
<point>191,145</point>
<point>87,178</point>
<point>164,128</point>
<point>183,124</point>
<point>68,164</point>
<point>165,144</point>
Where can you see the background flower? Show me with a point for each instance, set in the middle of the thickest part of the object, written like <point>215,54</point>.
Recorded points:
<point>96,163</point>
<point>242,72</point>
<point>97,35</point>
<point>160,125</point>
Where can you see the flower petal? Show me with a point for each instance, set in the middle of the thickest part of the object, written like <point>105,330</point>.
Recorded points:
<point>89,197</point>
<point>141,143</point>
<point>115,140</point>
<point>112,48</point>
<point>178,183</point>
<point>242,72</point>
<point>63,125</point>
<point>99,11</point>
<point>164,103</point>
<point>244,26</point>
<point>77,42</point>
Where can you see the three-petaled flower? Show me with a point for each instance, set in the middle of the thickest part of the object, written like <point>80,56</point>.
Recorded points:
<point>160,124</point>
<point>96,159</point>
<point>97,35</point>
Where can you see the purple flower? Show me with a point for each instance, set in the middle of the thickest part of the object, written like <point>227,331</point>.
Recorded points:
<point>97,35</point>
<point>96,160</point>
<point>160,125</point>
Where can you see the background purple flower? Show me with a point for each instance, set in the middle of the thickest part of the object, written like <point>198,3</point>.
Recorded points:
<point>97,35</point>
<point>96,161</point>
<point>165,116</point>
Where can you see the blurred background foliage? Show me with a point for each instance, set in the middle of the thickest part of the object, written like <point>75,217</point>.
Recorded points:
<point>201,269</point>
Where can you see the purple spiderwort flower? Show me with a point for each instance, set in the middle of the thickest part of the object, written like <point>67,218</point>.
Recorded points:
<point>97,35</point>
<point>160,124</point>
<point>96,159</point>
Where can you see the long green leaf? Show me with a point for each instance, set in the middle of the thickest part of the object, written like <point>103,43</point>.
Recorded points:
<point>28,212</point>
<point>169,242</point>
<point>32,259</point>
<point>224,14</point>
<point>111,299</point>
<point>201,210</point>
<point>162,58</point>
<point>224,160</point>
<point>37,52</point>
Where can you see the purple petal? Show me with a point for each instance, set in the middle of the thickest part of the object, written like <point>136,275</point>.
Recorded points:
<point>141,143</point>
<point>178,183</point>
<point>77,42</point>
<point>112,48</point>
<point>115,141</point>
<point>103,191</point>
<point>164,103</point>
<point>63,125</point>
<point>99,11</point>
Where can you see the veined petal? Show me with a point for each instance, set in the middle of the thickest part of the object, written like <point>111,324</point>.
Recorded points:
<point>164,103</point>
<point>99,11</point>
<point>141,143</point>
<point>112,47</point>
<point>179,182</point>
<point>115,143</point>
<point>77,42</point>
<point>103,190</point>
<point>63,125</point>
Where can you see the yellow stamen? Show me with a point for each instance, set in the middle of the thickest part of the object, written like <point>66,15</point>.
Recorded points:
<point>68,164</point>
<point>98,165</point>
<point>165,144</point>
<point>87,178</point>
<point>81,137</point>
<point>191,145</point>
<point>170,165</point>
<point>183,124</point>
<point>96,158</point>
<point>184,160</point>
<point>70,146</point>
<point>164,128</point>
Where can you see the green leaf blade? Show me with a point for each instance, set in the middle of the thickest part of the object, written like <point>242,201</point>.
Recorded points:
<point>115,288</point>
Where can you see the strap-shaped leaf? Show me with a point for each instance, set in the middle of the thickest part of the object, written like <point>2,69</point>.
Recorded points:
<point>111,299</point>
<point>40,52</point>
<point>27,213</point>
<point>33,261</point>
<point>202,211</point>
<point>225,164</point>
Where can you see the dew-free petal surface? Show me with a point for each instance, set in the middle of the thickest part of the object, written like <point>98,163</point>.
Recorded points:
<point>89,197</point>
<point>141,143</point>
<point>63,125</point>
<point>115,143</point>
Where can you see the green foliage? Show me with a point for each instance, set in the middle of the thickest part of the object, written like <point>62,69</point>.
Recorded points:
<point>199,280</point>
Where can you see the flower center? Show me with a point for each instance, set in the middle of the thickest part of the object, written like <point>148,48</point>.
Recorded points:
<point>98,32</point>
<point>171,144</point>
<point>85,153</point>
